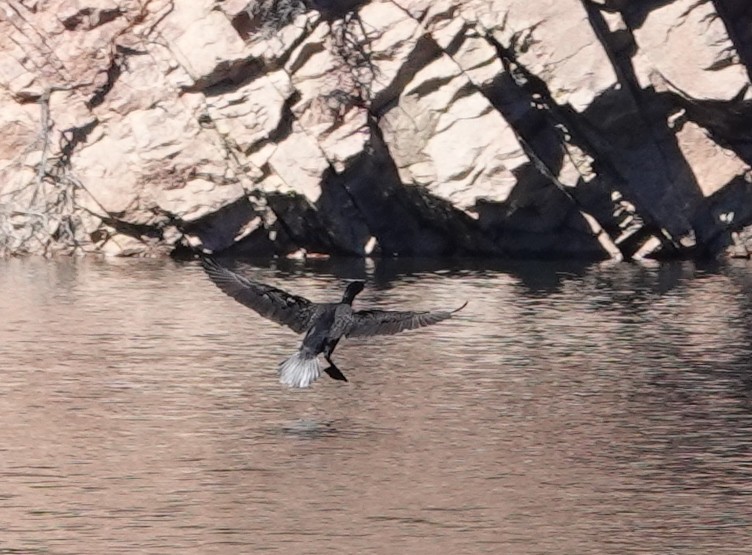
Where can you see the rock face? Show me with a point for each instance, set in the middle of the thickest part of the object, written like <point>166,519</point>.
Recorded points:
<point>572,128</point>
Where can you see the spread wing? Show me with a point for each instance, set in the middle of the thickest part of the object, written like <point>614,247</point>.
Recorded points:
<point>388,322</point>
<point>279,306</point>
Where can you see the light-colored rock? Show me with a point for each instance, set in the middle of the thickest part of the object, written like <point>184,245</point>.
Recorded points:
<point>457,33</point>
<point>233,7</point>
<point>554,41</point>
<point>325,109</point>
<point>197,198</point>
<point>332,92</point>
<point>444,135</point>
<point>271,48</point>
<point>345,140</point>
<point>168,148</point>
<point>411,127</point>
<point>395,36</point>
<point>299,164</point>
<point>252,112</point>
<point>685,47</point>
<point>21,127</point>
<point>150,79</point>
<point>209,56</point>
<point>713,166</point>
<point>477,58</point>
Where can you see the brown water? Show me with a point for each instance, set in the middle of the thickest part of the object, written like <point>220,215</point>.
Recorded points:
<point>602,409</point>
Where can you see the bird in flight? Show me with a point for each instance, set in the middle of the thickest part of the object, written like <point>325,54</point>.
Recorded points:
<point>324,324</point>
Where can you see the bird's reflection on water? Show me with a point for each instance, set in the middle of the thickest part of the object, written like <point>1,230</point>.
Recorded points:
<point>568,409</point>
<point>309,429</point>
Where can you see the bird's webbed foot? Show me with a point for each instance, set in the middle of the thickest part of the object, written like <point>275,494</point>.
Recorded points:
<point>335,373</point>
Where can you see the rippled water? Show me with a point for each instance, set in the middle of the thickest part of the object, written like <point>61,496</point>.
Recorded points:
<point>601,409</point>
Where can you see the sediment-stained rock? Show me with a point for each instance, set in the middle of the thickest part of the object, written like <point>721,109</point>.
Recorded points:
<point>391,127</point>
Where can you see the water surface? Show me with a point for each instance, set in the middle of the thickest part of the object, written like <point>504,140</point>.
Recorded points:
<point>569,409</point>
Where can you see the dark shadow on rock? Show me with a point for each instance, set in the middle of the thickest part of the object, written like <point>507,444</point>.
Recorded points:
<point>335,9</point>
<point>227,76</point>
<point>539,220</point>
<point>629,130</point>
<point>344,220</point>
<point>729,211</point>
<point>636,155</point>
<point>303,223</point>
<point>523,108</point>
<point>424,51</point>
<point>635,13</point>
<point>640,152</point>
<point>259,243</point>
<point>217,231</point>
<point>405,220</point>
<point>540,217</point>
<point>737,16</point>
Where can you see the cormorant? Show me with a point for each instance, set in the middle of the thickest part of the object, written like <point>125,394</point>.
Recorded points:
<point>324,324</point>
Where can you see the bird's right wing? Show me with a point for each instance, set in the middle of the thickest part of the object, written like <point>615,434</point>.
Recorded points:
<point>388,322</point>
<point>292,311</point>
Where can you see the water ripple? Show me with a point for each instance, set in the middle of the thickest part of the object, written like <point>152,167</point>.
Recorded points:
<point>568,409</point>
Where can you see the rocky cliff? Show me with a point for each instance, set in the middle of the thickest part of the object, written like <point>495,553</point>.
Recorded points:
<point>577,128</point>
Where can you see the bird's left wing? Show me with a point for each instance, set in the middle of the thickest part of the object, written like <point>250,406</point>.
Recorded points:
<point>292,311</point>
<point>388,322</point>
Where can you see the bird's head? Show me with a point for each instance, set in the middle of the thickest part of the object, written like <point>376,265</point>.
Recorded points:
<point>353,288</point>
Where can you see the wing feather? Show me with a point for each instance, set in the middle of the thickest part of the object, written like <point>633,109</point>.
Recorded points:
<point>388,322</point>
<point>277,305</point>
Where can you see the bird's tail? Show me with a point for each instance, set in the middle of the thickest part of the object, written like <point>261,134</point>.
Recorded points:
<point>300,370</point>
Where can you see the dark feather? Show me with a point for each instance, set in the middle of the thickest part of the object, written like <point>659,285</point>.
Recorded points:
<point>388,322</point>
<point>279,306</point>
